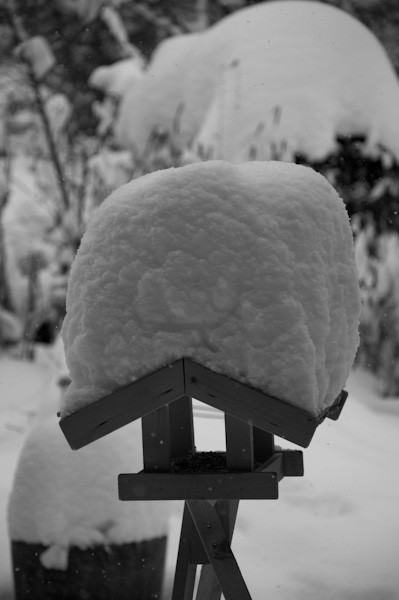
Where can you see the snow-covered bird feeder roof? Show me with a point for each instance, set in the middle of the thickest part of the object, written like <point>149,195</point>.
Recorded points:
<point>185,377</point>
<point>248,270</point>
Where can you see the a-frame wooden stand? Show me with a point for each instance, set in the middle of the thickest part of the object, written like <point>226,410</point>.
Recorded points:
<point>211,483</point>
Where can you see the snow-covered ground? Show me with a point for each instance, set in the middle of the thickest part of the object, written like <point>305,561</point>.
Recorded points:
<point>333,535</point>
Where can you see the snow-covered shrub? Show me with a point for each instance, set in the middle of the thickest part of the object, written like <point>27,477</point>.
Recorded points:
<point>113,80</point>
<point>378,264</point>
<point>107,170</point>
<point>370,188</point>
<point>34,219</point>
<point>43,179</point>
<point>283,57</point>
<point>31,263</point>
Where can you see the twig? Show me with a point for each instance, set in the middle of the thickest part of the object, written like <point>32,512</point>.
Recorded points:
<point>161,22</point>
<point>21,35</point>
<point>5,295</point>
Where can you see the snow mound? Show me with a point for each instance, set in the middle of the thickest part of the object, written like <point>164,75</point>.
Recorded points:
<point>270,80</point>
<point>248,269</point>
<point>62,498</point>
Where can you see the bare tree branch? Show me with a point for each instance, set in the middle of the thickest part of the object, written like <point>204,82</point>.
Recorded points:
<point>21,35</point>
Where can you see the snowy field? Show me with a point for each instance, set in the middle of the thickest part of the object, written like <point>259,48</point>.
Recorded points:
<point>333,535</point>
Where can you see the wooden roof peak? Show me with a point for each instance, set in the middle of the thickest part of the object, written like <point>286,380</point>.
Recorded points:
<point>186,377</point>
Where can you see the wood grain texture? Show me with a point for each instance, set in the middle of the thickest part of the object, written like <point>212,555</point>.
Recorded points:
<point>209,486</point>
<point>124,406</point>
<point>182,427</point>
<point>249,404</point>
<point>293,463</point>
<point>239,444</point>
<point>183,586</point>
<point>157,440</point>
<point>227,513</point>
<point>286,463</point>
<point>208,586</point>
<point>217,547</point>
<point>185,377</point>
<point>192,553</point>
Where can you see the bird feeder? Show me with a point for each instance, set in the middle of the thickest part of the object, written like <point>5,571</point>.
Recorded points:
<point>210,483</point>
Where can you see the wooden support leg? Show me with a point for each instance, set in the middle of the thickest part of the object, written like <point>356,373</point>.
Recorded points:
<point>209,588</point>
<point>227,512</point>
<point>217,548</point>
<point>183,587</point>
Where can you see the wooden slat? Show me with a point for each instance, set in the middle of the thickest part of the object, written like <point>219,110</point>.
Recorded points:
<point>263,444</point>
<point>186,377</point>
<point>249,404</point>
<point>208,586</point>
<point>166,486</point>
<point>273,465</point>
<point>198,555</point>
<point>182,427</point>
<point>286,463</point>
<point>227,512</point>
<point>293,463</point>
<point>124,406</point>
<point>333,412</point>
<point>183,586</point>
<point>156,440</point>
<point>239,444</point>
<point>218,549</point>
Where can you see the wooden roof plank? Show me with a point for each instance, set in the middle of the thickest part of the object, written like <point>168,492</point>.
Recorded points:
<point>249,404</point>
<point>187,377</point>
<point>124,406</point>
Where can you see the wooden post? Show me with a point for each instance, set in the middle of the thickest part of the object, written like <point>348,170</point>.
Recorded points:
<point>156,441</point>
<point>208,526</point>
<point>182,427</point>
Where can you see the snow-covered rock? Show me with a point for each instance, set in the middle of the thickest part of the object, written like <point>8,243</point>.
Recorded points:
<point>248,269</point>
<point>270,80</point>
<point>61,498</point>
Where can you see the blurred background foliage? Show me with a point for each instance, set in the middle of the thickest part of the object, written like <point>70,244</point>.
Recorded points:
<point>81,44</point>
<point>81,36</point>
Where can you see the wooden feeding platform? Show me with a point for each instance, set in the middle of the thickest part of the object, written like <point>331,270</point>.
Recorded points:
<point>211,483</point>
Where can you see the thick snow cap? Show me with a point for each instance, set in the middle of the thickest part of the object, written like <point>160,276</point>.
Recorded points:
<point>249,269</point>
<point>269,81</point>
<point>62,498</point>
